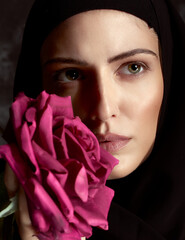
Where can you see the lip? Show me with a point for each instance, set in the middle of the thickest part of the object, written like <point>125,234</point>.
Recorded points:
<point>112,142</point>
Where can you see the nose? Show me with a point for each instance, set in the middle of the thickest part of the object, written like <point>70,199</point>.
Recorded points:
<point>104,99</point>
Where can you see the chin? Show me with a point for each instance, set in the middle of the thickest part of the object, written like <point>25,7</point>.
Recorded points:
<point>128,163</point>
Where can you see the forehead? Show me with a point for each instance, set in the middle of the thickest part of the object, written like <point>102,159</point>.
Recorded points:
<point>108,29</point>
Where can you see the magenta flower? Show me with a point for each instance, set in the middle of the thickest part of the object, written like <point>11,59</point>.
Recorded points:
<point>61,167</point>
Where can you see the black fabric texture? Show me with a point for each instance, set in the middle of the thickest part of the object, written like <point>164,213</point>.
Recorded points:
<point>150,202</point>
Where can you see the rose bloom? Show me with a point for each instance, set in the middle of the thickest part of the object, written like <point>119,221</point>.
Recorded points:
<point>61,167</point>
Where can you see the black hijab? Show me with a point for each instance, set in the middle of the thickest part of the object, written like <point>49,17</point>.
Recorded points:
<point>150,202</point>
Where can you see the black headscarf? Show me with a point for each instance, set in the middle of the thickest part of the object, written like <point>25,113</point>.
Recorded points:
<point>150,202</point>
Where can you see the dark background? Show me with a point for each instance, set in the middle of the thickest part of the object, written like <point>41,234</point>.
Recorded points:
<point>13,14</point>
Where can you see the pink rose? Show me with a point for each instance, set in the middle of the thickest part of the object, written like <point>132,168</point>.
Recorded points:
<point>61,167</point>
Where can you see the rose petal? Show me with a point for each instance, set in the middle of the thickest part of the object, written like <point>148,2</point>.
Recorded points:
<point>61,106</point>
<point>77,182</point>
<point>81,185</point>
<point>60,142</point>
<point>78,152</point>
<point>30,116</point>
<point>18,109</point>
<point>62,197</point>
<point>32,129</point>
<point>46,137</point>
<point>86,138</point>
<point>84,229</point>
<point>12,155</point>
<point>26,146</point>
<point>95,211</point>
<point>47,161</point>
<point>39,220</point>
<point>41,101</point>
<point>43,202</point>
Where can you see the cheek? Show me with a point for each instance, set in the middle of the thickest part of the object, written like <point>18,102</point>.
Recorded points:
<point>143,119</point>
<point>147,114</point>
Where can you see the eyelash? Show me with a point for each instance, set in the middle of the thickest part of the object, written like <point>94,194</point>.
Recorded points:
<point>58,74</point>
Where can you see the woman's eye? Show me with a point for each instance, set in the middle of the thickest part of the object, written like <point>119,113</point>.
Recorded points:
<point>67,75</point>
<point>132,68</point>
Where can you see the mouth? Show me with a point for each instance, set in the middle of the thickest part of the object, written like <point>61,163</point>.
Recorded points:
<point>112,142</point>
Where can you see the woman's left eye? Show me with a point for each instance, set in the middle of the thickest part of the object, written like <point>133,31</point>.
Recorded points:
<point>133,68</point>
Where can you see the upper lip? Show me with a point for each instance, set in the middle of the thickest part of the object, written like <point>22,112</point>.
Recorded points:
<point>110,137</point>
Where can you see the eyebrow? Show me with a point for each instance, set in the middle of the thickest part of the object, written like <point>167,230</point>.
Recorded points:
<point>65,60</point>
<point>110,60</point>
<point>131,53</point>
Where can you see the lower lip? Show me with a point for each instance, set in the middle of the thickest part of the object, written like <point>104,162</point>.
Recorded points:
<point>114,146</point>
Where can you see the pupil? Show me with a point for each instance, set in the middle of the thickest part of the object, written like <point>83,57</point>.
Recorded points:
<point>134,67</point>
<point>72,74</point>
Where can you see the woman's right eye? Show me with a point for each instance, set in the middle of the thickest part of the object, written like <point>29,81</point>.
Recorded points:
<point>67,75</point>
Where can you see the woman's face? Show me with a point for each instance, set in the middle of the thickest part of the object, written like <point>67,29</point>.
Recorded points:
<point>108,62</point>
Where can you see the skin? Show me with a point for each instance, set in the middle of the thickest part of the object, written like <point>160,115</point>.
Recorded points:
<point>115,82</point>
<point>91,57</point>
